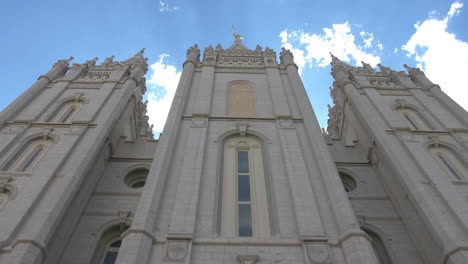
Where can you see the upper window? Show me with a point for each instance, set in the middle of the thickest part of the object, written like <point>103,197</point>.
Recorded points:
<point>28,156</point>
<point>66,112</point>
<point>413,118</point>
<point>450,162</point>
<point>379,248</point>
<point>245,210</point>
<point>241,100</point>
<point>108,247</point>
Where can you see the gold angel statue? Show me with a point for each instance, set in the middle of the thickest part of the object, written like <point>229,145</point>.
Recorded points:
<point>234,32</point>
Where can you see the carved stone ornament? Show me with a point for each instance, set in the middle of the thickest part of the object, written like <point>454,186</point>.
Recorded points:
<point>76,130</point>
<point>177,250</point>
<point>16,129</point>
<point>46,131</point>
<point>247,259</point>
<point>199,121</point>
<point>434,141</point>
<point>242,127</point>
<point>285,123</point>
<point>318,254</point>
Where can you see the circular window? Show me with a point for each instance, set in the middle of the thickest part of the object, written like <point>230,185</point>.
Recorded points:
<point>349,183</point>
<point>136,178</point>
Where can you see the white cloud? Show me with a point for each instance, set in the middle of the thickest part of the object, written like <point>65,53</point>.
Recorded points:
<point>442,56</point>
<point>367,37</point>
<point>454,9</point>
<point>313,49</point>
<point>164,6</point>
<point>162,85</point>
<point>380,45</point>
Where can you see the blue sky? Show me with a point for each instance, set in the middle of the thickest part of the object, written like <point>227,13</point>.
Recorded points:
<point>432,35</point>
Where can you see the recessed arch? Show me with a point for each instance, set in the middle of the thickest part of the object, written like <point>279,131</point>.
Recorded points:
<point>66,109</point>
<point>450,161</point>
<point>241,99</point>
<point>261,148</point>
<point>378,244</point>
<point>412,115</point>
<point>27,156</point>
<point>110,239</point>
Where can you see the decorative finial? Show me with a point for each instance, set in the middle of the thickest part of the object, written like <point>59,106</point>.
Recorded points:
<point>69,59</point>
<point>140,53</point>
<point>234,33</point>
<point>91,62</point>
<point>108,60</point>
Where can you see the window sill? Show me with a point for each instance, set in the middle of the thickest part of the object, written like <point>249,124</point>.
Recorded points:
<point>460,182</point>
<point>16,174</point>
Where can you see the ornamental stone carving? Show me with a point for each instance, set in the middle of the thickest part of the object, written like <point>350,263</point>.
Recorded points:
<point>318,254</point>
<point>177,250</point>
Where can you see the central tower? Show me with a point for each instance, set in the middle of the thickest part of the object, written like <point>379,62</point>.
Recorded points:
<point>242,171</point>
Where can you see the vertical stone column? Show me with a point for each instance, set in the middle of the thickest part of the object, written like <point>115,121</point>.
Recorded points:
<point>355,243</point>
<point>59,68</point>
<point>184,212</point>
<point>138,239</point>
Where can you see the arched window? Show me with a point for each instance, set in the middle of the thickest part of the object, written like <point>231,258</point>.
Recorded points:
<point>66,112</point>
<point>450,162</point>
<point>28,156</point>
<point>245,210</point>
<point>349,183</point>
<point>241,100</point>
<point>413,118</point>
<point>379,248</point>
<point>136,178</point>
<point>109,245</point>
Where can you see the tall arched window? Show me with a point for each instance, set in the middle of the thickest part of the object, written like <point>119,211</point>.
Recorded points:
<point>27,156</point>
<point>66,112</point>
<point>108,247</point>
<point>241,100</point>
<point>379,248</point>
<point>245,210</point>
<point>450,162</point>
<point>413,118</point>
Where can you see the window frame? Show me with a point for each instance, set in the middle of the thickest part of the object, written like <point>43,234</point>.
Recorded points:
<point>450,163</point>
<point>63,112</point>
<point>24,155</point>
<point>260,213</point>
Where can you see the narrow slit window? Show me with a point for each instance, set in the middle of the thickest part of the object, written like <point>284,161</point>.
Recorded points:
<point>111,252</point>
<point>243,195</point>
<point>67,115</point>
<point>27,156</point>
<point>413,124</point>
<point>35,154</point>
<point>449,166</point>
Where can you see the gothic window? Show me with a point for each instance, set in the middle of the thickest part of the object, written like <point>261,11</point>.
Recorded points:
<point>245,210</point>
<point>450,163</point>
<point>414,120</point>
<point>349,183</point>
<point>108,247</point>
<point>379,248</point>
<point>241,100</point>
<point>136,178</point>
<point>28,156</point>
<point>66,112</point>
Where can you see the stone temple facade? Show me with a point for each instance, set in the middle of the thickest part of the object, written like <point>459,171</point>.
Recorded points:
<point>242,172</point>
